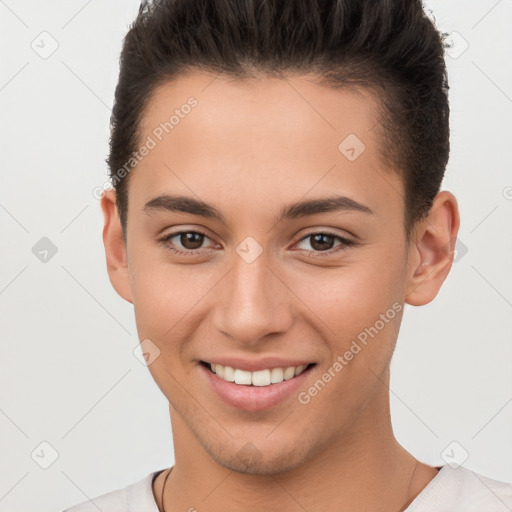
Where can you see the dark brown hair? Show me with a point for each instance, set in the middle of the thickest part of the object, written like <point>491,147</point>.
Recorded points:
<point>388,46</point>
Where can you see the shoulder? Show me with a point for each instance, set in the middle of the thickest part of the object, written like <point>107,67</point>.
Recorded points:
<point>462,490</point>
<point>137,496</point>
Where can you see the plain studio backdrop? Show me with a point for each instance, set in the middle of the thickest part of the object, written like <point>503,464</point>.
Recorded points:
<point>79,413</point>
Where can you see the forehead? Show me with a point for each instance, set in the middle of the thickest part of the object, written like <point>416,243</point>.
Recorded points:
<point>247,135</point>
<point>289,106</point>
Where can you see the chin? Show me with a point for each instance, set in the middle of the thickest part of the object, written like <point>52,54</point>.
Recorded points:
<point>250,460</point>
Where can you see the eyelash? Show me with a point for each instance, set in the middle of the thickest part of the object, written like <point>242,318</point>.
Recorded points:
<point>345,243</point>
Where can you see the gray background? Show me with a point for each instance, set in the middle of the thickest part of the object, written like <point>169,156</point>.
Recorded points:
<point>68,375</point>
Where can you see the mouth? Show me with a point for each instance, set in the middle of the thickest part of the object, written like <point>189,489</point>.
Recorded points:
<point>260,378</point>
<point>256,390</point>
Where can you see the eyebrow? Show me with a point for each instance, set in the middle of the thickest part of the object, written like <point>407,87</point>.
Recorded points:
<point>185,204</point>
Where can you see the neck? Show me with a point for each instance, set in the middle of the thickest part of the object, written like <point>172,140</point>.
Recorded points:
<point>364,468</point>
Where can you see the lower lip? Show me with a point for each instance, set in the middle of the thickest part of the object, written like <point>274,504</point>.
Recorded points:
<point>254,398</point>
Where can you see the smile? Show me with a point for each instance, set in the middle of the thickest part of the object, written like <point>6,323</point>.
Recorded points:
<point>255,385</point>
<point>265,377</point>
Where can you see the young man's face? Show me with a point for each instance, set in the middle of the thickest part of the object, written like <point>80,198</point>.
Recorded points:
<point>258,292</point>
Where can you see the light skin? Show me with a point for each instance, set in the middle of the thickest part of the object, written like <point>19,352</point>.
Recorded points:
<point>249,149</point>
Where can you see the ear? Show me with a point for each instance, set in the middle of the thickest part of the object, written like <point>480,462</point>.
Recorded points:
<point>115,247</point>
<point>432,250</point>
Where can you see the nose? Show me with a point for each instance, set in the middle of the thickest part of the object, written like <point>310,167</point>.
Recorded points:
<point>254,302</point>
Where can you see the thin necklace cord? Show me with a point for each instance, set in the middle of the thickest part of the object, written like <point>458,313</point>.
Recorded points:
<point>163,489</point>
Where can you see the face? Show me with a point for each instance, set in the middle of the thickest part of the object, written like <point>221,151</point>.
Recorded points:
<point>285,249</point>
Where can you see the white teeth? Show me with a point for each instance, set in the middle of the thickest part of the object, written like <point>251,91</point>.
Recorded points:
<point>241,377</point>
<point>289,373</point>
<point>229,374</point>
<point>300,369</point>
<point>258,378</point>
<point>261,378</point>
<point>276,375</point>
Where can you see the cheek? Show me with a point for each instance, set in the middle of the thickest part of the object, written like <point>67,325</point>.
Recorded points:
<point>358,310</point>
<point>166,302</point>
<point>168,298</point>
<point>350,298</point>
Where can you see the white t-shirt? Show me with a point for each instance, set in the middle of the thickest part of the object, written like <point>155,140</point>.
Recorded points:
<point>451,490</point>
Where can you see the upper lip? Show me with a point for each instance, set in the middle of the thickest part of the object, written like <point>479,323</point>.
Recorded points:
<point>253,365</point>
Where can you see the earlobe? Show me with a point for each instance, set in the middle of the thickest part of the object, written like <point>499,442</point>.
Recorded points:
<point>115,247</point>
<point>432,250</point>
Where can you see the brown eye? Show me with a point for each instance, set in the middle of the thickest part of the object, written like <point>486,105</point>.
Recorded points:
<point>322,242</point>
<point>186,243</point>
<point>191,240</point>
